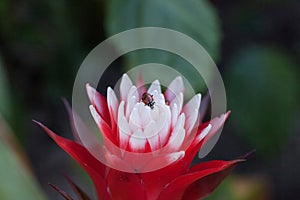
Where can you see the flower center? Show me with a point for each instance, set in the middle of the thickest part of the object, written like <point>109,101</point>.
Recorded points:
<point>148,100</point>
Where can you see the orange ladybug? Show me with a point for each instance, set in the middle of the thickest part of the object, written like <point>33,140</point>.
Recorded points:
<point>148,100</point>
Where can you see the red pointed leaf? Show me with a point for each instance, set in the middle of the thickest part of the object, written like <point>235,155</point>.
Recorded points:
<point>207,185</point>
<point>90,164</point>
<point>205,175</point>
<point>61,192</point>
<point>79,192</point>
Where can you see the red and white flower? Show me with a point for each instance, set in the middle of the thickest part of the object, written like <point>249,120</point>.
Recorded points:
<point>158,125</point>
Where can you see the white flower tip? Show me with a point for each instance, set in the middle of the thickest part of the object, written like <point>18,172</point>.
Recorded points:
<point>90,91</point>
<point>204,133</point>
<point>198,97</point>
<point>125,76</point>
<point>94,113</point>
<point>110,94</point>
<point>126,80</point>
<point>178,80</point>
<point>154,86</point>
<point>197,101</point>
<point>228,113</point>
<point>125,86</point>
<point>109,90</point>
<point>156,82</point>
<point>174,88</point>
<point>176,156</point>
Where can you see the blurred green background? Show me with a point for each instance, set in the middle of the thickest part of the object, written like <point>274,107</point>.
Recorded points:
<point>255,44</point>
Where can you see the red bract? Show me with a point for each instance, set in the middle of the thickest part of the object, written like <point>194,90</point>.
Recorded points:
<point>147,121</point>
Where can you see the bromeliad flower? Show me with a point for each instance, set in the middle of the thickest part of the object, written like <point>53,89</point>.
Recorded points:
<point>152,137</point>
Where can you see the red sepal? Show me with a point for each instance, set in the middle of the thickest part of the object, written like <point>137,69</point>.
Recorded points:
<point>201,180</point>
<point>90,164</point>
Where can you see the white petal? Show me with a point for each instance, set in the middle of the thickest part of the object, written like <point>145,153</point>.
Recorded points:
<point>191,110</point>
<point>164,132</point>
<point>138,141</point>
<point>158,98</point>
<point>112,103</point>
<point>175,156</point>
<point>178,100</point>
<point>154,86</point>
<point>135,119</point>
<point>158,128</point>
<point>180,123</point>
<point>124,129</point>
<point>217,123</point>
<point>132,99</point>
<point>175,114</point>
<point>95,114</point>
<point>178,135</point>
<point>174,89</point>
<point>155,113</point>
<point>204,133</point>
<point>91,92</point>
<point>151,132</point>
<point>125,86</point>
<point>144,113</point>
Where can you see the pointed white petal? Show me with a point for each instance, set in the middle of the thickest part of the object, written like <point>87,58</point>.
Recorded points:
<point>151,132</point>
<point>154,86</point>
<point>216,124</point>
<point>155,113</point>
<point>135,119</point>
<point>191,110</point>
<point>178,100</point>
<point>125,86</point>
<point>91,92</point>
<point>178,135</point>
<point>112,103</point>
<point>175,87</point>
<point>132,99</point>
<point>175,114</point>
<point>193,103</point>
<point>204,133</point>
<point>124,129</point>
<point>156,131</point>
<point>158,98</point>
<point>95,114</point>
<point>144,113</point>
<point>165,131</point>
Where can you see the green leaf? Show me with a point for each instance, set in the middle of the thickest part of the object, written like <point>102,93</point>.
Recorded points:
<point>16,180</point>
<point>195,18</point>
<point>262,89</point>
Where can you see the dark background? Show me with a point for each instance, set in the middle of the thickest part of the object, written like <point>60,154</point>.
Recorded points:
<point>254,43</point>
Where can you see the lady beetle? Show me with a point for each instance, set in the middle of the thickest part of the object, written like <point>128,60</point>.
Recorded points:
<point>148,100</point>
